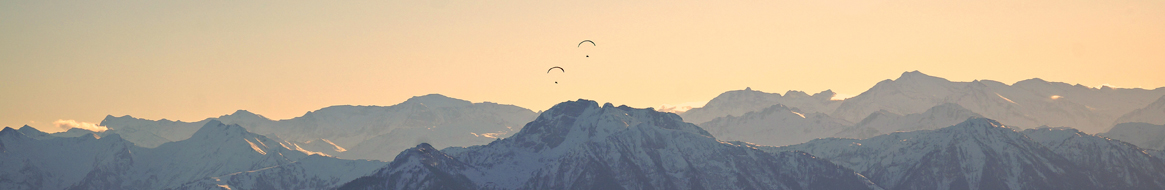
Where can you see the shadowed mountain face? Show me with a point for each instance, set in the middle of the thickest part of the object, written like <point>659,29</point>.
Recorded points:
<point>983,154</point>
<point>779,125</point>
<point>1144,135</point>
<point>884,122</point>
<point>580,145</point>
<point>355,132</point>
<point>1111,164</point>
<point>775,126</point>
<point>1028,103</point>
<point>1154,113</point>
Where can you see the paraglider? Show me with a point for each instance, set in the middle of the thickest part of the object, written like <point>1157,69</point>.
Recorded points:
<point>585,41</point>
<point>555,67</point>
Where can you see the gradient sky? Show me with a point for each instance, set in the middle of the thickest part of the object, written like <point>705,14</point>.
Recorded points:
<point>189,60</point>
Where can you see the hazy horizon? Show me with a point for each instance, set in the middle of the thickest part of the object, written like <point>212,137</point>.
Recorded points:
<point>190,60</point>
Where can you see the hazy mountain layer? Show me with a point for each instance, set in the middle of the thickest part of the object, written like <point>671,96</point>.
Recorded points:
<point>738,102</point>
<point>1154,113</point>
<point>1027,103</point>
<point>1144,135</point>
<point>355,132</point>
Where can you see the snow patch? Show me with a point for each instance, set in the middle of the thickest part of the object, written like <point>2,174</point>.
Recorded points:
<point>256,148</point>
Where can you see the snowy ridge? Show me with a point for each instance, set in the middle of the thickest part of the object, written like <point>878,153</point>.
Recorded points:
<point>312,172</point>
<point>31,132</point>
<point>1027,103</point>
<point>1144,135</point>
<point>739,102</point>
<point>1110,164</point>
<point>59,162</point>
<point>149,133</point>
<point>580,145</point>
<point>217,150</point>
<point>362,132</point>
<point>776,125</point>
<point>422,167</point>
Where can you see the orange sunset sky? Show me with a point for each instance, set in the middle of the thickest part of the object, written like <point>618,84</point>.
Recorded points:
<point>189,60</point>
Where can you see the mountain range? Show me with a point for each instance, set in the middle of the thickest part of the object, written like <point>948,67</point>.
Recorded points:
<point>354,132</point>
<point>914,132</point>
<point>216,152</point>
<point>1027,104</point>
<point>981,153</point>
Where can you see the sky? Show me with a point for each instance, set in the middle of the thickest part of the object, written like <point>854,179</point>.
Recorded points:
<point>70,63</point>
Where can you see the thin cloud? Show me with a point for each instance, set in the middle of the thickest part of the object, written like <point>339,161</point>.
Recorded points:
<point>840,96</point>
<point>69,124</point>
<point>680,108</point>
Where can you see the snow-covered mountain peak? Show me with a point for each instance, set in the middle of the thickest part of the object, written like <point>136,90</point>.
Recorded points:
<point>437,101</point>
<point>1037,83</point>
<point>986,84</point>
<point>111,118</point>
<point>33,132</point>
<point>916,76</point>
<point>738,95</point>
<point>795,93</point>
<point>909,83</point>
<point>560,124</point>
<point>243,115</point>
<point>425,155</point>
<point>825,95</point>
<point>215,129</point>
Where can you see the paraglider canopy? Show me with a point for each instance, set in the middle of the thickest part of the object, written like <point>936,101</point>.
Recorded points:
<point>585,41</point>
<point>555,67</point>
